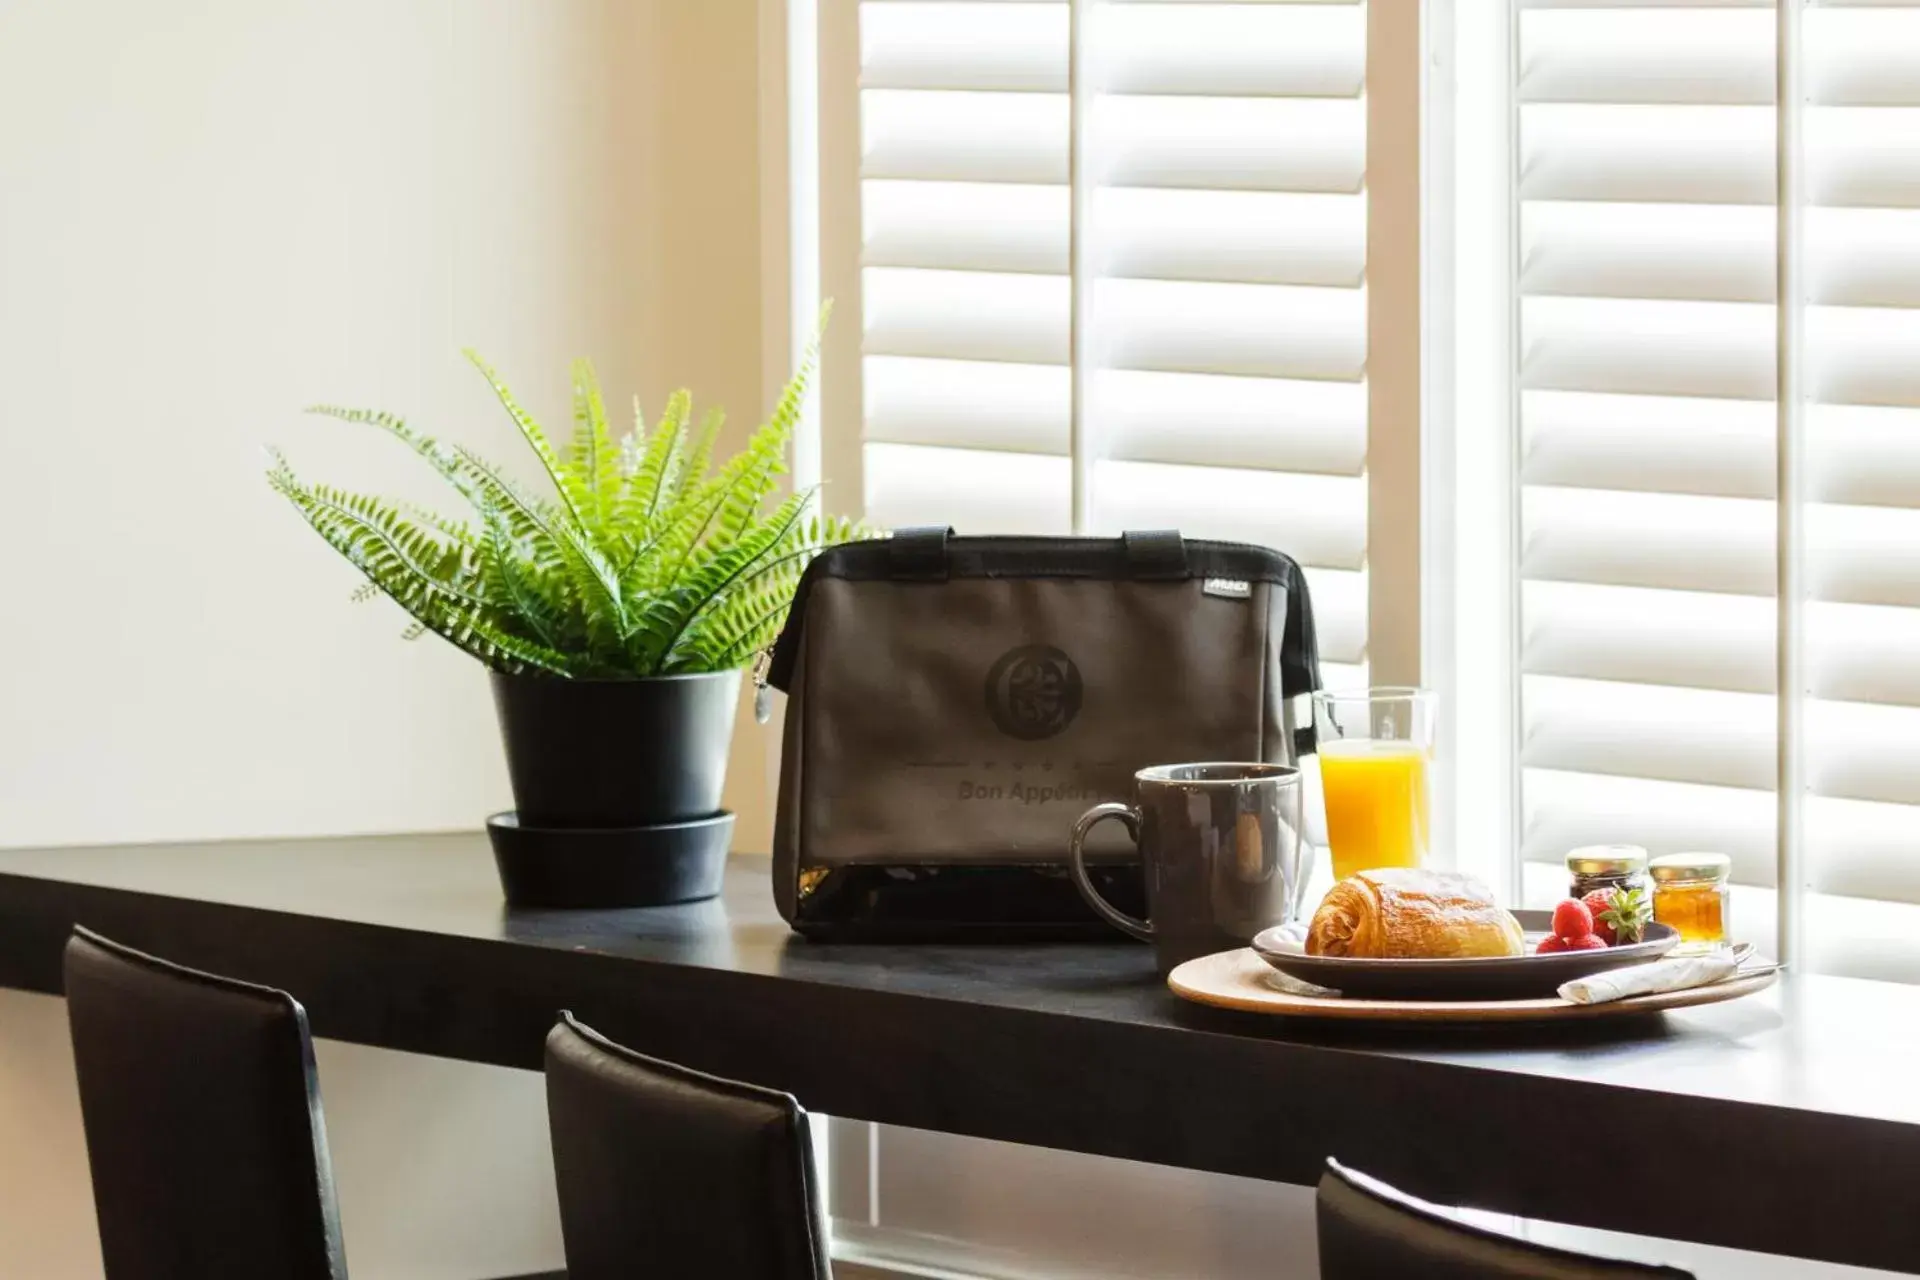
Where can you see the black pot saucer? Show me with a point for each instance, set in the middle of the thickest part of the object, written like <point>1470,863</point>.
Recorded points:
<point>605,867</point>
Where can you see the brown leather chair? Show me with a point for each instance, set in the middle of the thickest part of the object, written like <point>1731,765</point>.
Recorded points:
<point>1369,1231</point>
<point>664,1171</point>
<point>202,1115</point>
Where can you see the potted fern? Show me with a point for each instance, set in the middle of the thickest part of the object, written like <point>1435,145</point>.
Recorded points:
<point>615,615</point>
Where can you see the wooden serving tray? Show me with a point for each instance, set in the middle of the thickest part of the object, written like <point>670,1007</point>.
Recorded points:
<point>1242,980</point>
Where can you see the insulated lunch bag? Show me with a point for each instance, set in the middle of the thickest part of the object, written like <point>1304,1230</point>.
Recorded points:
<point>954,704</point>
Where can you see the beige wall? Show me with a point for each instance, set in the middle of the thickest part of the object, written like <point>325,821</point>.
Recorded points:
<point>212,214</point>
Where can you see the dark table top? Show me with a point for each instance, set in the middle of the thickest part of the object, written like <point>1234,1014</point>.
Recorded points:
<point>1787,1122</point>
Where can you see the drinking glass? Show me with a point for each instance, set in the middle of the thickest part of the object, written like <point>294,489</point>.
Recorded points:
<point>1375,748</point>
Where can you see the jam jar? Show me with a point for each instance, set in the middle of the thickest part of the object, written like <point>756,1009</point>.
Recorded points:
<point>1690,893</point>
<point>1606,866</point>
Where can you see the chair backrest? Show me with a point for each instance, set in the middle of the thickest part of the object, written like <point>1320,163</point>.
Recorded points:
<point>1369,1230</point>
<point>664,1171</point>
<point>202,1114</point>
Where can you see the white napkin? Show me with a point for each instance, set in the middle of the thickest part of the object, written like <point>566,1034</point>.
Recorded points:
<point>1646,979</point>
<point>1290,938</point>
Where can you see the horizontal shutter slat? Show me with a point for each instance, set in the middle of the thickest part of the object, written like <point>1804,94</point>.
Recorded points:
<point>964,137</point>
<point>1862,257</point>
<point>1660,444</point>
<point>1863,454</point>
<point>978,404</point>
<point>968,315</point>
<point>1615,249</point>
<point>975,490</point>
<point>915,44</point>
<point>1855,454</point>
<point>1640,152</point>
<point>1320,520</point>
<point>1721,54</point>
<point>1277,50</point>
<point>1855,555</point>
<point>1271,424</point>
<point>1720,349</point>
<point>1715,253</point>
<point>1679,735</point>
<point>1694,55</point>
<point>1864,355</point>
<point>1259,237</point>
<point>1269,330</point>
<point>968,226</point>
<point>1145,233</point>
<point>1244,144</point>
<point>1222,421</point>
<point>1855,751</point>
<point>1855,653</point>
<point>1715,154</point>
<point>1641,636</point>
<point>1863,751</point>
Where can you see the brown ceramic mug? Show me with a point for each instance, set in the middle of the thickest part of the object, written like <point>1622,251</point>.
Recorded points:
<point>1221,850</point>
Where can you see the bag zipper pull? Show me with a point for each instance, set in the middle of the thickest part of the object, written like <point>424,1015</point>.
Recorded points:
<point>762,693</point>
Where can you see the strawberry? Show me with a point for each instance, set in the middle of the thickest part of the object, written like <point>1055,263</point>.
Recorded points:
<point>1592,942</point>
<point>1571,920</point>
<point>1619,915</point>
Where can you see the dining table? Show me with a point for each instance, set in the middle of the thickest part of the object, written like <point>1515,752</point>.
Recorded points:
<point>1786,1122</point>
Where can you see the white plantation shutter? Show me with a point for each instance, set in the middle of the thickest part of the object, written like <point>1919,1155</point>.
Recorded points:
<point>1646,181</point>
<point>1223,242</point>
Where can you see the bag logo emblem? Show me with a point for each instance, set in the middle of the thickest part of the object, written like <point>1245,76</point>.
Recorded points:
<point>1033,692</point>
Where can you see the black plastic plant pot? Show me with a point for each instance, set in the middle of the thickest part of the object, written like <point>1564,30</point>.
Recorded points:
<point>616,787</point>
<point>616,753</point>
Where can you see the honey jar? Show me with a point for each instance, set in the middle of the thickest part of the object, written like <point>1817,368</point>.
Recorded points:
<point>1690,893</point>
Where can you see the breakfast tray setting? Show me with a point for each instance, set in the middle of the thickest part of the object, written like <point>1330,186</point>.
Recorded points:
<point>1520,970</point>
<point>1243,980</point>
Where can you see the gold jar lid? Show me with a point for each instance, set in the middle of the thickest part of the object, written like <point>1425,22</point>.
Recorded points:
<point>1607,860</point>
<point>1670,868</point>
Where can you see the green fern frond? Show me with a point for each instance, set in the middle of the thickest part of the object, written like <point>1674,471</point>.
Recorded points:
<point>648,560</point>
<point>700,457</point>
<point>367,538</point>
<point>671,613</point>
<point>653,479</point>
<point>593,460</point>
<point>573,492</point>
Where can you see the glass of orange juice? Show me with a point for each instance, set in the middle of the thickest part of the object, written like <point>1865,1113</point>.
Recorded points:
<point>1375,748</point>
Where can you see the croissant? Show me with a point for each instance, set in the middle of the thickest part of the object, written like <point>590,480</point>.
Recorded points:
<point>1401,913</point>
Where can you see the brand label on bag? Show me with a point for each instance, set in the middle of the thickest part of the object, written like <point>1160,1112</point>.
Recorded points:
<point>1227,588</point>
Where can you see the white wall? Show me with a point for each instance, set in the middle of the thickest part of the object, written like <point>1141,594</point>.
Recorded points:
<point>214,214</point>
<point>211,215</point>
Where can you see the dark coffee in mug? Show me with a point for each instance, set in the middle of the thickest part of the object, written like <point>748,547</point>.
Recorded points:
<point>1220,849</point>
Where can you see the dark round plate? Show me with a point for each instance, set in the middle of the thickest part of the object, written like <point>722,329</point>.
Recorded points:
<point>1519,977</point>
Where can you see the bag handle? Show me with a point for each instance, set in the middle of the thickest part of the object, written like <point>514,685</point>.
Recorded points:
<point>918,553</point>
<point>1155,553</point>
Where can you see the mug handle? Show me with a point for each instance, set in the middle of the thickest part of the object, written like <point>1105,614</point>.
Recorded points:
<point>1077,862</point>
